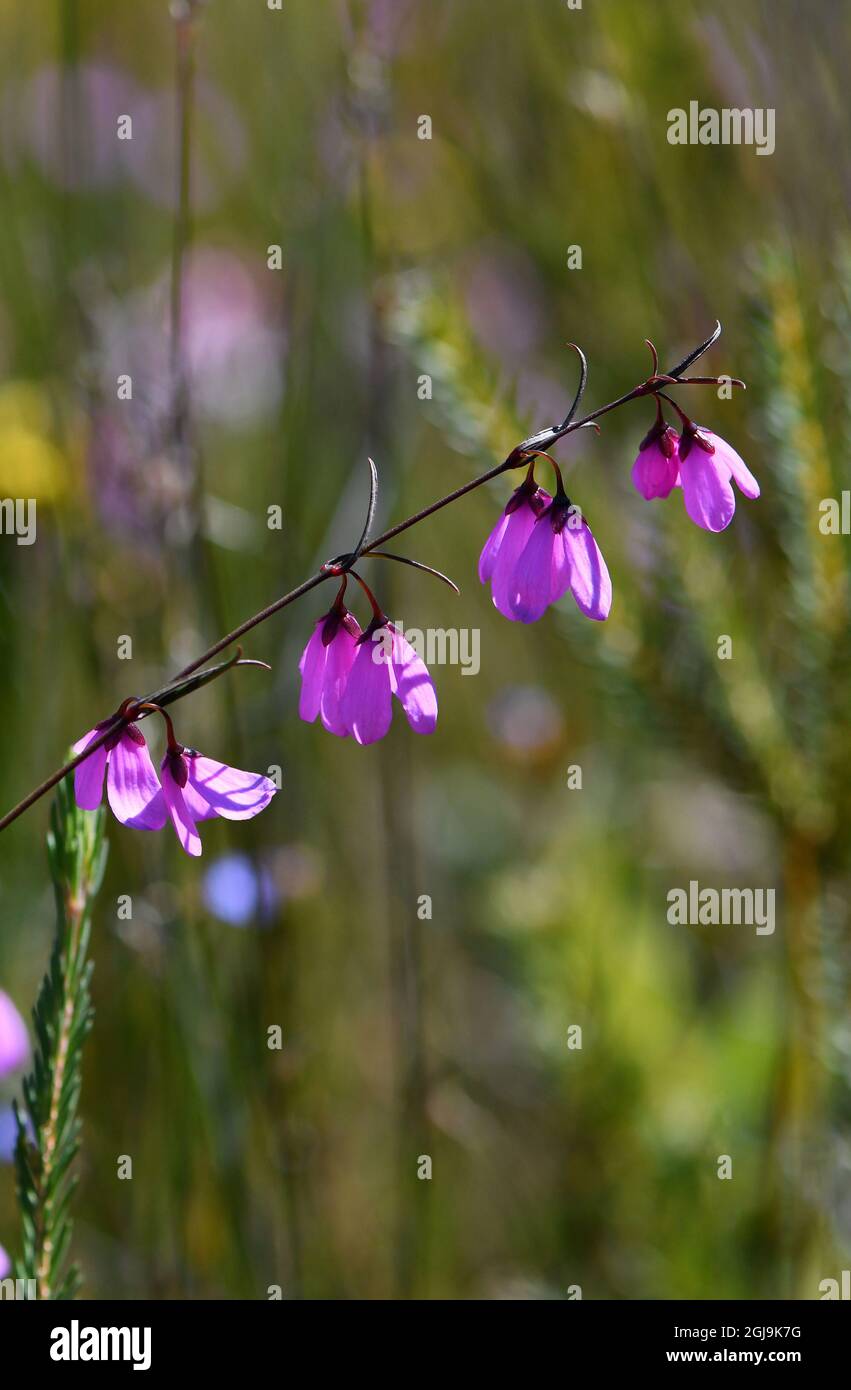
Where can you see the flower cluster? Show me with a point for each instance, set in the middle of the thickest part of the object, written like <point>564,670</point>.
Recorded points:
<point>540,548</point>
<point>349,676</point>
<point>193,788</point>
<point>699,462</point>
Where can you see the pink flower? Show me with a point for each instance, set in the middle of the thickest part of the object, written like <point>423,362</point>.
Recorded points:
<point>14,1043</point>
<point>132,785</point>
<point>505,544</point>
<point>560,554</point>
<point>196,788</point>
<point>385,665</point>
<point>325,665</point>
<point>657,468</point>
<point>5,1263</point>
<point>707,464</point>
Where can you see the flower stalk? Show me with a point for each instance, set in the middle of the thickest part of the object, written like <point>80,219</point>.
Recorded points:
<point>518,457</point>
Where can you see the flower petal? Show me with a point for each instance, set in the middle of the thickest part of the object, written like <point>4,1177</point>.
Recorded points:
<point>708,496</point>
<point>521,524</point>
<point>181,817</point>
<point>88,777</point>
<point>366,708</point>
<point>414,686</point>
<point>342,651</point>
<point>653,473</point>
<point>132,785</point>
<point>490,550</point>
<point>14,1041</point>
<point>232,793</point>
<point>197,806</point>
<point>589,577</point>
<point>533,577</point>
<point>742,475</point>
<point>312,667</point>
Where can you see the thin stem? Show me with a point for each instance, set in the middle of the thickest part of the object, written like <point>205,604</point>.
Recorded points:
<point>583,380</point>
<point>518,458</point>
<point>184,86</point>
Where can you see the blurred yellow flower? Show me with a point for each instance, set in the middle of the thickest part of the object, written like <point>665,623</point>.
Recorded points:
<point>31,464</point>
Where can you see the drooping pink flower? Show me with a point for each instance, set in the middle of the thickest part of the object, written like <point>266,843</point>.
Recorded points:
<point>386,665</point>
<point>14,1042</point>
<point>507,540</point>
<point>560,554</point>
<point>707,464</point>
<point>132,785</point>
<point>197,788</point>
<point>657,468</point>
<point>325,665</point>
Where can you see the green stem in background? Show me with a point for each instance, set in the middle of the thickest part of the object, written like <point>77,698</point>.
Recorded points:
<point>49,1128</point>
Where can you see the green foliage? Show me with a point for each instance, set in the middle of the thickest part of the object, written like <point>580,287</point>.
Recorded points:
<point>49,1127</point>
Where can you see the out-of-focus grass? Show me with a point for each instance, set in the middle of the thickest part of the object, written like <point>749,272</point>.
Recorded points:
<point>446,1036</point>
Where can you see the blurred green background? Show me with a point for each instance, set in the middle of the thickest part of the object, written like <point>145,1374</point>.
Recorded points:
<point>552,1167</point>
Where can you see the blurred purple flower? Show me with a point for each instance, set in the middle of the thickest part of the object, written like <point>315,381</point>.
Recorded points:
<point>9,1133</point>
<point>68,123</point>
<point>44,115</point>
<point>14,1042</point>
<point>238,892</point>
<point>5,1263</point>
<point>525,719</point>
<point>234,345</point>
<point>504,302</point>
<point>220,153</point>
<point>233,350</point>
<point>389,25</point>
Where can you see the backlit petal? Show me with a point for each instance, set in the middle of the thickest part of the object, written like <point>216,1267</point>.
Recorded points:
<point>414,686</point>
<point>132,786</point>
<point>708,496</point>
<point>366,707</point>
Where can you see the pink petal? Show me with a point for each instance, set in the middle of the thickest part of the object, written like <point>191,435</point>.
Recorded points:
<point>533,577</point>
<point>132,785</point>
<point>589,578</point>
<point>487,559</point>
<point>14,1041</point>
<point>196,805</point>
<point>5,1263</point>
<point>521,525</point>
<point>342,651</point>
<point>707,492</point>
<point>414,686</point>
<point>181,818</point>
<point>312,667</point>
<point>86,739</point>
<point>742,475</point>
<point>88,777</point>
<point>653,473</point>
<point>232,793</point>
<point>366,707</point>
